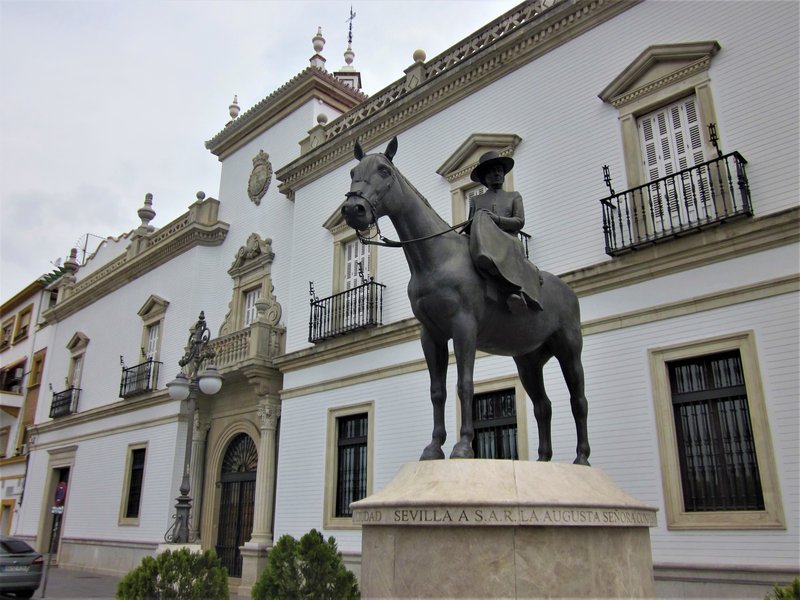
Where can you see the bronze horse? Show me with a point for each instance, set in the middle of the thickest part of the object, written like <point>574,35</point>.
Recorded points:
<point>449,298</point>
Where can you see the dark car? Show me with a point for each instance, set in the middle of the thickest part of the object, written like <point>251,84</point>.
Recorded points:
<point>20,567</point>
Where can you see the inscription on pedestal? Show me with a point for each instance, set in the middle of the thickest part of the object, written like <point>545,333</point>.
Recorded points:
<point>524,516</point>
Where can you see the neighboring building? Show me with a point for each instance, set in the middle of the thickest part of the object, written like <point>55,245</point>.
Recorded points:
<point>23,349</point>
<point>684,256</point>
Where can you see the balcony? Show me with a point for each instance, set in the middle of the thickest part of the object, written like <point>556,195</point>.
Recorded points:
<point>357,308</point>
<point>702,196</point>
<point>65,403</point>
<point>140,379</point>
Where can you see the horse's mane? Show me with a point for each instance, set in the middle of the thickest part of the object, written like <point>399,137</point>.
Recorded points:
<point>405,180</point>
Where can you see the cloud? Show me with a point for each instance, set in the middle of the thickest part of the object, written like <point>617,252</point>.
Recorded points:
<point>102,102</point>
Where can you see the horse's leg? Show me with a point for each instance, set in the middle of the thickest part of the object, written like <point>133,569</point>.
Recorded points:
<point>464,346</point>
<point>436,356</point>
<point>530,372</point>
<point>569,357</point>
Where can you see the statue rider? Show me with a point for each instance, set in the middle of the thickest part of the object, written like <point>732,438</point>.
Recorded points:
<point>497,252</point>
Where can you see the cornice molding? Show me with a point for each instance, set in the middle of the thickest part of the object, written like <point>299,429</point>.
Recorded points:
<point>120,407</point>
<point>710,246</point>
<point>514,39</point>
<point>697,304</point>
<point>728,241</point>
<point>309,83</point>
<point>174,239</point>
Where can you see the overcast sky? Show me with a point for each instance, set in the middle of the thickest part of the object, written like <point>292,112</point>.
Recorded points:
<point>102,102</point>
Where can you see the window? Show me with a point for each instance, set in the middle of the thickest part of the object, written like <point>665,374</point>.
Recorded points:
<point>714,438</point>
<point>717,457</point>
<point>356,264</point>
<point>250,312</point>
<point>37,369</point>
<point>500,419</point>
<point>11,377</point>
<point>495,419</point>
<point>251,272</point>
<point>132,490</point>
<point>23,323</point>
<point>675,105</point>
<point>8,333</point>
<point>349,462</point>
<point>4,432</point>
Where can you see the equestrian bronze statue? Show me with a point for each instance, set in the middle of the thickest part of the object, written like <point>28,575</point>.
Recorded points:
<point>455,298</point>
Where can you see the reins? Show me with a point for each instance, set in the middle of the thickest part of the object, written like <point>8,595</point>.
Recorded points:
<point>388,243</point>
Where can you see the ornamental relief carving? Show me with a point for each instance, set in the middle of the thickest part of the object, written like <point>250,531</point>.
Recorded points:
<point>268,415</point>
<point>260,177</point>
<point>252,267</point>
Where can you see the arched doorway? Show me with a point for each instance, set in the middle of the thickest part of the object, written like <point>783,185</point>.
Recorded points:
<point>237,501</point>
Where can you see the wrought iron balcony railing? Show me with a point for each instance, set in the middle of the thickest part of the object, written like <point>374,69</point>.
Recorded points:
<point>140,379</point>
<point>65,403</point>
<point>690,200</point>
<point>356,308</point>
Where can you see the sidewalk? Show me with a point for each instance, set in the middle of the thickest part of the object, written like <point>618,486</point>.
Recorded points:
<point>73,584</point>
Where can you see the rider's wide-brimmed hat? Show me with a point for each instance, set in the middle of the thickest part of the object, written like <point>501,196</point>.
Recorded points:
<point>488,160</point>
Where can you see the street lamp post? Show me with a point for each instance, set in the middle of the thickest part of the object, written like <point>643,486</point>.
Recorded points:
<point>185,387</point>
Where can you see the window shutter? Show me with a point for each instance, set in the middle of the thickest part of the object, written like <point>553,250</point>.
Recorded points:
<point>250,306</point>
<point>152,341</point>
<point>354,253</point>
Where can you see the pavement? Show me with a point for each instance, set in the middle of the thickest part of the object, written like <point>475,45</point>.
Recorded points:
<point>73,584</point>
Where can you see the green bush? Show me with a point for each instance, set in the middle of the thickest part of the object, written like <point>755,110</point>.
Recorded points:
<point>310,568</point>
<point>181,575</point>
<point>790,592</point>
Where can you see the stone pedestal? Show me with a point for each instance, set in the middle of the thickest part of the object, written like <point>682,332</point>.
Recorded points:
<point>493,528</point>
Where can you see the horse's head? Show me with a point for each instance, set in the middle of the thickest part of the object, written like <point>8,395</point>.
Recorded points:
<point>372,178</point>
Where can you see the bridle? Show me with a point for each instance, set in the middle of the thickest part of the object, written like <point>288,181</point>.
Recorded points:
<point>384,241</point>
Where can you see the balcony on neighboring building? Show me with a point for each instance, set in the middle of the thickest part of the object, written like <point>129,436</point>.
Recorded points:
<point>705,195</point>
<point>65,403</point>
<point>357,308</point>
<point>139,379</point>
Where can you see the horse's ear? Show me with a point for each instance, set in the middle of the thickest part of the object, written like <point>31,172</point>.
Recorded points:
<point>391,149</point>
<point>358,151</point>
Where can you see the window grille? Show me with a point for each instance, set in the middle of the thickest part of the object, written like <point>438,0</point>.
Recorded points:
<point>495,420</point>
<point>351,471</point>
<point>719,470</point>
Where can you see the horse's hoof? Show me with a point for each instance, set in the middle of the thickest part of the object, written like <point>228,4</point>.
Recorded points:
<point>581,460</point>
<point>432,452</point>
<point>462,450</point>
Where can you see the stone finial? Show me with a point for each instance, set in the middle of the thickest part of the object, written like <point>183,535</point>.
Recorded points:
<point>419,55</point>
<point>146,214</point>
<point>71,264</point>
<point>318,42</point>
<point>201,195</point>
<point>322,119</point>
<point>233,109</point>
<point>349,55</point>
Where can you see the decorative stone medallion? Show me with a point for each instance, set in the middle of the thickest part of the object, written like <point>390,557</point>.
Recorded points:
<point>260,177</point>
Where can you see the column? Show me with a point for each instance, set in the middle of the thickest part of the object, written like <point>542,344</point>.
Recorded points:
<point>196,472</point>
<point>268,412</point>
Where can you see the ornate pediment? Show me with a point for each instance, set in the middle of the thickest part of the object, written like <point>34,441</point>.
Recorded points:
<point>153,306</point>
<point>658,66</point>
<point>255,252</point>
<point>78,342</point>
<point>465,158</point>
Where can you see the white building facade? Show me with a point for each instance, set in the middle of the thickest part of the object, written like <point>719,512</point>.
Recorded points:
<point>687,273</point>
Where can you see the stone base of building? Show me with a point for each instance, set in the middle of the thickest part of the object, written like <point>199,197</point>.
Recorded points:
<point>492,528</point>
<point>254,561</point>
